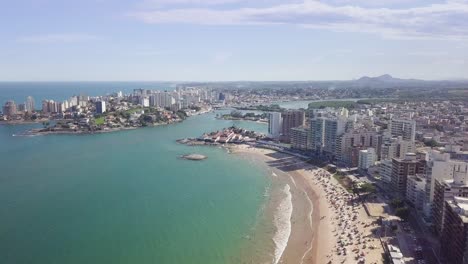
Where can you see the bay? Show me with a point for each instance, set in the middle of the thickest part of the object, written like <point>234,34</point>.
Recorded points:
<point>126,197</point>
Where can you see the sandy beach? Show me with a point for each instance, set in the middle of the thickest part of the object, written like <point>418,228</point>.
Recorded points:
<point>326,224</point>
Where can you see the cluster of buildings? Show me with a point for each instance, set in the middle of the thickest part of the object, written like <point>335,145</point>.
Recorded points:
<point>181,98</point>
<point>230,135</point>
<point>11,110</point>
<point>412,154</point>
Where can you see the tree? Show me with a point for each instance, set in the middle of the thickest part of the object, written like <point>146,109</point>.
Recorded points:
<point>402,212</point>
<point>181,114</point>
<point>367,188</point>
<point>431,143</point>
<point>396,203</point>
<point>237,114</point>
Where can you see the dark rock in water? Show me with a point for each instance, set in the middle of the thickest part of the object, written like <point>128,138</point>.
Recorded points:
<point>194,157</point>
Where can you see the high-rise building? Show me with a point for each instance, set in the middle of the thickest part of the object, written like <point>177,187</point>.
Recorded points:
<point>291,119</point>
<point>385,171</point>
<point>317,129</point>
<point>404,128</point>
<point>396,147</point>
<point>416,191</point>
<point>45,106</point>
<point>100,107</point>
<point>144,101</point>
<point>454,242</point>
<point>333,128</point>
<point>351,142</point>
<point>300,138</point>
<point>49,106</point>
<point>30,104</point>
<point>21,108</point>
<point>9,109</point>
<point>402,168</point>
<point>367,158</point>
<point>274,125</point>
<point>83,100</point>
<point>445,189</point>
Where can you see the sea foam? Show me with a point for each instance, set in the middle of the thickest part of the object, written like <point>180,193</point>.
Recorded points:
<point>282,221</point>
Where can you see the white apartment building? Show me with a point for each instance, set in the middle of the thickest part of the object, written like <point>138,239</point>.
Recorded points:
<point>274,125</point>
<point>416,191</point>
<point>367,158</point>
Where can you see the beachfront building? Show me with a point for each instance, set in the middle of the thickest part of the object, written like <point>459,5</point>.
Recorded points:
<point>100,107</point>
<point>50,106</point>
<point>410,165</point>
<point>440,168</point>
<point>300,138</point>
<point>291,119</point>
<point>446,189</point>
<point>350,143</point>
<point>404,128</point>
<point>416,191</point>
<point>9,109</point>
<point>367,158</point>
<point>385,171</point>
<point>317,136</point>
<point>454,242</point>
<point>274,125</point>
<point>29,105</point>
<point>333,128</point>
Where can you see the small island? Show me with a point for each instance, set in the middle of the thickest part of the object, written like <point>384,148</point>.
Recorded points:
<point>195,157</point>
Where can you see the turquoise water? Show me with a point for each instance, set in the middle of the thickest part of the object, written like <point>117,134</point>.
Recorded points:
<point>125,197</point>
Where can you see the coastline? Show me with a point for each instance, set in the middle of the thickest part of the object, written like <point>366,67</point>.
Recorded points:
<point>318,203</point>
<point>301,244</point>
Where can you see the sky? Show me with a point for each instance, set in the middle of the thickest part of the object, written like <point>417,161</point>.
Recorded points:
<point>232,40</point>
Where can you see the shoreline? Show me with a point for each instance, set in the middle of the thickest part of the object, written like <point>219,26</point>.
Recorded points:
<point>300,246</point>
<point>319,207</point>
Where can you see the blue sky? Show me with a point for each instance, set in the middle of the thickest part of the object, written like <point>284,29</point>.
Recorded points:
<point>217,40</point>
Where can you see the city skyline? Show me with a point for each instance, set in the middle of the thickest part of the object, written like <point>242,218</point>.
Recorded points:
<point>232,40</point>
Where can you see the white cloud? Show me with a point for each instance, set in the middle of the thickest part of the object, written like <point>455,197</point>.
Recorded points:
<point>447,19</point>
<point>57,38</point>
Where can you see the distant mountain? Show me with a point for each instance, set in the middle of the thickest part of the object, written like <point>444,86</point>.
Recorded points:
<point>384,78</point>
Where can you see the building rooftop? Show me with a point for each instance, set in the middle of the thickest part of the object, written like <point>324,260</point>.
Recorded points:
<point>460,206</point>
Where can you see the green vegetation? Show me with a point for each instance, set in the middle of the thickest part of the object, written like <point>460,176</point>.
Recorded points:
<point>270,108</point>
<point>181,114</point>
<point>396,203</point>
<point>133,110</point>
<point>264,108</point>
<point>431,143</point>
<point>334,104</point>
<point>239,115</point>
<point>402,212</point>
<point>100,121</point>
<point>378,100</point>
<point>366,188</point>
<point>344,181</point>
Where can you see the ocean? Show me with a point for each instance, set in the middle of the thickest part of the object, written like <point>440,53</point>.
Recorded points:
<point>60,91</point>
<point>123,197</point>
